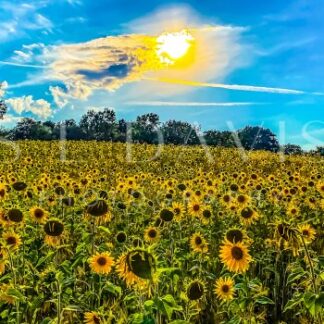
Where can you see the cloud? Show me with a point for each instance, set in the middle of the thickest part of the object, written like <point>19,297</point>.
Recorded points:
<point>39,107</point>
<point>231,86</point>
<point>190,104</point>
<point>3,87</point>
<point>113,61</point>
<point>16,19</point>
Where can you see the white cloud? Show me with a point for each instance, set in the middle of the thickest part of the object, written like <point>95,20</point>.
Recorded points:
<point>3,87</point>
<point>19,18</point>
<point>39,107</point>
<point>190,104</point>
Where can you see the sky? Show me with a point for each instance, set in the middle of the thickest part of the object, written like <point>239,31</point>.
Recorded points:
<point>247,63</point>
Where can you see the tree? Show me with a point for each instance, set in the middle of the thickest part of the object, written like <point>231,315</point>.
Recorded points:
<point>99,125</point>
<point>3,108</point>
<point>28,128</point>
<point>145,129</point>
<point>292,149</point>
<point>178,132</point>
<point>258,138</point>
<point>217,138</point>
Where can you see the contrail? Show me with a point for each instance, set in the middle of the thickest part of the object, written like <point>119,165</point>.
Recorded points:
<point>228,86</point>
<point>23,65</point>
<point>190,104</point>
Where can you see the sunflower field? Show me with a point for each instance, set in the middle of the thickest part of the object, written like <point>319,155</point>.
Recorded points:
<point>88,235</point>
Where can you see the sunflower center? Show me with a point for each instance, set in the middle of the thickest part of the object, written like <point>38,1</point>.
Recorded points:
<point>247,213</point>
<point>237,253</point>
<point>305,232</point>
<point>241,199</point>
<point>196,207</point>
<point>11,240</point>
<point>206,213</point>
<point>177,210</point>
<point>225,288</point>
<point>152,233</point>
<point>102,261</point>
<point>234,236</point>
<point>38,213</point>
<point>198,240</point>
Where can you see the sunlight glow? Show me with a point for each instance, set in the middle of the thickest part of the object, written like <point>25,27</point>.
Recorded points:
<point>173,46</point>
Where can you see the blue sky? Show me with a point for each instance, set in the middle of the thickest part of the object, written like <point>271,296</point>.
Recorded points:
<point>274,45</point>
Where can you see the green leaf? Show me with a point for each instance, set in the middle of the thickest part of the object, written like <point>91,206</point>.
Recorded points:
<point>292,303</point>
<point>264,300</point>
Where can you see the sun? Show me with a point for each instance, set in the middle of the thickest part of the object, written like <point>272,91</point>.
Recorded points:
<point>171,47</point>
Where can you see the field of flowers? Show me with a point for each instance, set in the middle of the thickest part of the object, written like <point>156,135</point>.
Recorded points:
<point>93,233</point>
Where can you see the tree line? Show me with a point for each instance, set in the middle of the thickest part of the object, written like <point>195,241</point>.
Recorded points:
<point>104,126</point>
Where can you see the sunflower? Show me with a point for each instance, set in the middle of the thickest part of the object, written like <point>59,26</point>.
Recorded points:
<point>15,215</point>
<point>54,229</point>
<point>12,240</point>
<point>178,210</point>
<point>292,210</point>
<point>248,215</point>
<point>307,232</point>
<point>38,214</point>
<point>235,256</point>
<point>101,263</point>
<point>320,188</point>
<point>243,200</point>
<point>5,296</point>
<point>136,266</point>
<point>151,235</point>
<point>198,243</point>
<point>121,237</point>
<point>91,318</point>
<point>195,207</point>
<point>195,290</point>
<point>2,190</point>
<point>224,288</point>
<point>206,215</point>
<point>235,235</point>
<point>4,219</point>
<point>166,215</point>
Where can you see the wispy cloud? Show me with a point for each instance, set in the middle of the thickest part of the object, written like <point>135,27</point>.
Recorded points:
<point>23,65</point>
<point>231,86</point>
<point>18,18</point>
<point>191,104</point>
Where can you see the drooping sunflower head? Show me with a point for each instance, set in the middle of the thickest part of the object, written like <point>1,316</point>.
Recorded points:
<point>166,215</point>
<point>224,288</point>
<point>195,290</point>
<point>235,256</point>
<point>121,237</point>
<point>234,235</point>
<point>54,227</point>
<point>15,215</point>
<point>38,214</point>
<point>97,208</point>
<point>101,263</point>
<point>136,266</point>
<point>19,186</point>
